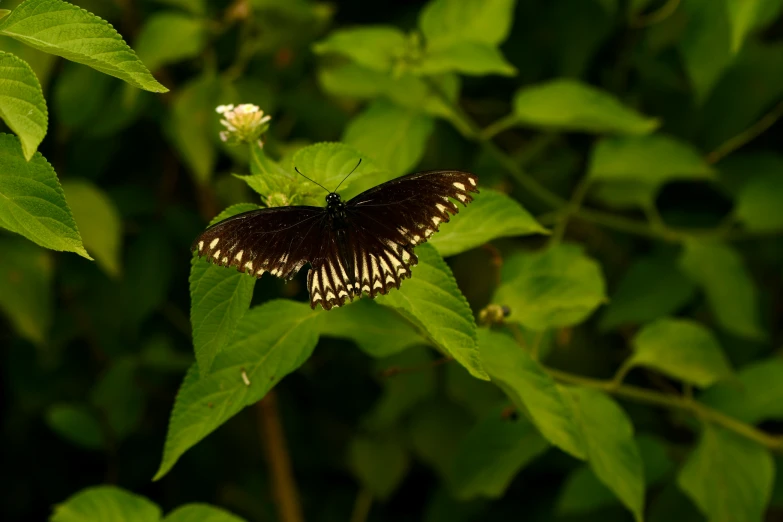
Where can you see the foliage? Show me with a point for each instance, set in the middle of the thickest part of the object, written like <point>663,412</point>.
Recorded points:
<point>596,337</point>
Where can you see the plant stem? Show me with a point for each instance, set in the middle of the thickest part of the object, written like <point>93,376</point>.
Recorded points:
<point>571,209</point>
<point>635,393</point>
<point>746,136</point>
<point>284,490</point>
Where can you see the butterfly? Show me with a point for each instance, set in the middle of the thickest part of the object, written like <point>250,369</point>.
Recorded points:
<point>364,245</point>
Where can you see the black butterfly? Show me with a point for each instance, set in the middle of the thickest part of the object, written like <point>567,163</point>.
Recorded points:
<point>363,245</point>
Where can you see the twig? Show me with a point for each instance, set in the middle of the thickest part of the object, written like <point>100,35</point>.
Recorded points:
<point>284,490</point>
<point>746,136</point>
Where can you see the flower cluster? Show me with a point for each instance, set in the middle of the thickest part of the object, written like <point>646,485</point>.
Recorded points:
<point>244,123</point>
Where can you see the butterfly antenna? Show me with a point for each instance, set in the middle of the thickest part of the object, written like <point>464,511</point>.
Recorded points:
<point>346,177</point>
<point>313,181</point>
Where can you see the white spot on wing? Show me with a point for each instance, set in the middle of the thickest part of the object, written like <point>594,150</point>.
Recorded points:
<point>225,260</point>
<point>238,257</point>
<point>249,266</point>
<point>462,197</point>
<point>472,181</point>
<point>200,246</point>
<point>436,220</point>
<point>329,296</point>
<point>214,242</point>
<point>390,279</point>
<point>377,284</point>
<point>342,293</point>
<point>260,273</point>
<point>440,207</point>
<point>216,254</point>
<point>459,186</point>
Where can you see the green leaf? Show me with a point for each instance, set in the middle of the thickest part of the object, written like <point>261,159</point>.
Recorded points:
<point>492,215</point>
<point>552,288</point>
<point>706,44</point>
<point>118,396</point>
<point>758,201</point>
<point>444,22</point>
<point>99,222</point>
<point>270,342</point>
<point>395,137</point>
<point>401,392</point>
<point>471,58</point>
<point>106,504</point>
<point>77,424</point>
<point>375,47</point>
<point>26,287</point>
<point>611,449</point>
<point>745,15</point>
<point>492,454</point>
<point>377,330</point>
<point>625,195</point>
<point>432,300</point>
<point>379,464</point>
<point>531,389</point>
<point>329,163</point>
<point>682,349</point>
<point>728,477</point>
<point>654,159</point>
<point>652,287</point>
<point>435,430</point>
<point>219,298</point>
<point>22,104</point>
<point>201,513</point>
<point>32,202</point>
<point>730,291</point>
<point>170,37</point>
<point>474,395</point>
<point>757,394</point>
<point>575,106</point>
<point>63,29</point>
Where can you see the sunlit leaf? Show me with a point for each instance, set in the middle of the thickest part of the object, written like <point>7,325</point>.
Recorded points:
<point>745,15</point>
<point>25,287</point>
<point>63,29</point>
<point>755,396</point>
<point>444,22</point>
<point>470,58</point>
<point>22,105</point>
<point>107,504</point>
<point>376,47</point>
<point>555,287</point>
<point>76,423</point>
<point>758,201</point>
<point>393,136</point>
<point>169,37</point>
<point>379,464</point>
<point>201,513</point>
<point>728,477</point>
<point>432,300</point>
<point>532,389</point>
<point>491,215</point>
<point>731,293</point>
<point>32,202</point>
<point>99,222</point>
<point>270,342</point>
<point>575,106</point>
<point>706,44</point>
<point>330,163</point>
<point>492,453</point>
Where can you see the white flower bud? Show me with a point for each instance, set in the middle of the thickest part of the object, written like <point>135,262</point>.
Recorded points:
<point>244,123</point>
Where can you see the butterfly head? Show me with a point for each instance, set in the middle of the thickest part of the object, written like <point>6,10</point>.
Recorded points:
<point>333,199</point>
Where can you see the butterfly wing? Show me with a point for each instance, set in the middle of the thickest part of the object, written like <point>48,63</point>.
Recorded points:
<point>383,225</point>
<point>278,240</point>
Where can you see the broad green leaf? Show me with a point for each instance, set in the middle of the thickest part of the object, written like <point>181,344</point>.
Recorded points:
<point>745,15</point>
<point>432,300</point>
<point>99,223</point>
<point>63,29</point>
<point>22,104</point>
<point>611,449</point>
<point>730,291</point>
<point>552,288</point>
<point>532,389</point>
<point>192,123</point>
<point>77,423</point>
<point>471,58</point>
<point>652,287</point>
<point>435,430</point>
<point>575,106</point>
<point>330,163</point>
<point>706,44</point>
<point>26,287</point>
<point>444,22</point>
<point>81,96</point>
<point>106,504</point>
<point>375,47</point>
<point>401,392</point>
<point>654,159</point>
<point>491,215</point>
<point>682,349</point>
<point>728,477</point>
<point>492,453</point>
<point>170,37</point>
<point>625,195</point>
<point>394,137</point>
<point>118,396</point>
<point>32,202</point>
<point>377,330</point>
<point>755,396</point>
<point>758,201</point>
<point>219,298</point>
<point>270,342</point>
<point>201,513</point>
<point>379,464</point>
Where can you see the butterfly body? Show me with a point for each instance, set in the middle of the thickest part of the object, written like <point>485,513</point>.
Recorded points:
<point>364,245</point>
